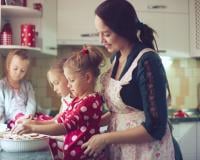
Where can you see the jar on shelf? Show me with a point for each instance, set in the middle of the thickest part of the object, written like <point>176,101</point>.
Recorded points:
<point>6,34</point>
<point>3,2</point>
<point>23,3</point>
<point>28,35</point>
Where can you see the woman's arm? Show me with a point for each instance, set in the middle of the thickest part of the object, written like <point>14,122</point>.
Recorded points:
<point>152,85</point>
<point>98,142</point>
<point>129,136</point>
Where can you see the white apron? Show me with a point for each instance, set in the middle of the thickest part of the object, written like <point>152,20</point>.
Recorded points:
<point>124,117</point>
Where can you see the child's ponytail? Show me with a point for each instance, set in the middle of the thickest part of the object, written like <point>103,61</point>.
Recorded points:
<point>87,59</point>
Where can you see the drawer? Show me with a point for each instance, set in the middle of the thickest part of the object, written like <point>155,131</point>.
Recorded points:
<point>175,6</point>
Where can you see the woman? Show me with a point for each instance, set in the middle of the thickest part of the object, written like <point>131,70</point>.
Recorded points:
<point>134,89</point>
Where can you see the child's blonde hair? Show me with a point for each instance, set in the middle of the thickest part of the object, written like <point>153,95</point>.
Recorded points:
<point>87,59</point>
<point>58,67</point>
<point>23,54</point>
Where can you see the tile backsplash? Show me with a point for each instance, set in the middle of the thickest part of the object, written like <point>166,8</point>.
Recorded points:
<point>183,75</point>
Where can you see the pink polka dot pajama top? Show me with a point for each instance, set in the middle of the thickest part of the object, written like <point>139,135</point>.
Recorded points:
<point>81,121</point>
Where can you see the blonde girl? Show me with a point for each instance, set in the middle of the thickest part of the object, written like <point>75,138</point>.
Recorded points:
<point>59,84</point>
<point>81,119</point>
<point>17,97</point>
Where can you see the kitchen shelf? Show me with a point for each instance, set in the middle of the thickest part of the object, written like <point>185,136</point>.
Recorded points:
<point>34,51</point>
<point>19,11</point>
<point>19,47</point>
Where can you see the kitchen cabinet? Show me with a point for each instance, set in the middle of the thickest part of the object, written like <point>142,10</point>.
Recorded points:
<point>170,19</point>
<point>44,21</point>
<point>186,135</point>
<point>170,6</point>
<point>76,22</point>
<point>198,140</point>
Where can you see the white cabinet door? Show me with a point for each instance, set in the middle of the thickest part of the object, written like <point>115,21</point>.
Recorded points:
<point>170,19</point>
<point>76,22</point>
<point>172,32</point>
<point>198,140</point>
<point>186,135</point>
<point>49,27</point>
<point>170,6</point>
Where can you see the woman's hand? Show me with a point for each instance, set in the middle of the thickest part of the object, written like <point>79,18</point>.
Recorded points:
<point>95,144</point>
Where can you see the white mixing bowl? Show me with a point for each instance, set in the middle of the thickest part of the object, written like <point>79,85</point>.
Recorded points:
<point>10,145</point>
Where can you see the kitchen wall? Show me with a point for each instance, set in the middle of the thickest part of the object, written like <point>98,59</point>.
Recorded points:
<point>37,75</point>
<point>45,96</point>
<point>183,75</point>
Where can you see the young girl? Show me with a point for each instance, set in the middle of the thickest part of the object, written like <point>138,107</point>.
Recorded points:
<point>59,83</point>
<point>17,96</point>
<point>81,119</point>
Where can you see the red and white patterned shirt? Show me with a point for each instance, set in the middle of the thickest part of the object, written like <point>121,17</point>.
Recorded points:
<point>81,120</point>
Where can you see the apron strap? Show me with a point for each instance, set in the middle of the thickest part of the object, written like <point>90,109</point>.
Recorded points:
<point>128,75</point>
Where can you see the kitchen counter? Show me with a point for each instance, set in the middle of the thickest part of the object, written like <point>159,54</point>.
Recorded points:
<point>193,115</point>
<point>187,119</point>
<point>38,155</point>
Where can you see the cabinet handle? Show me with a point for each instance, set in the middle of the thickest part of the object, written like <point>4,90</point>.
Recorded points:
<point>89,35</point>
<point>162,51</point>
<point>156,7</point>
<point>52,48</point>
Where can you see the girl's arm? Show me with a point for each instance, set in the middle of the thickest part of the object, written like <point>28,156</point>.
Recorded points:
<point>44,122</point>
<point>50,129</point>
<point>105,118</point>
<point>1,103</point>
<point>31,102</point>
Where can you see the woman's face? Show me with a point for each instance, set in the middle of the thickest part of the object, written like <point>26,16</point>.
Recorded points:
<point>108,38</point>
<point>59,83</point>
<point>17,68</point>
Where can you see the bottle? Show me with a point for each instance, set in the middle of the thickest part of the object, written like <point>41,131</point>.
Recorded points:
<point>6,34</point>
<point>3,2</point>
<point>24,3</point>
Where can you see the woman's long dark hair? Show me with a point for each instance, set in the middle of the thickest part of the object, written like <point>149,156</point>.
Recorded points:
<point>121,17</point>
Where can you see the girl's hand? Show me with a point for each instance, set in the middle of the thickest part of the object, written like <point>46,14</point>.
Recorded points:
<point>95,145</point>
<point>21,129</point>
<point>24,119</point>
